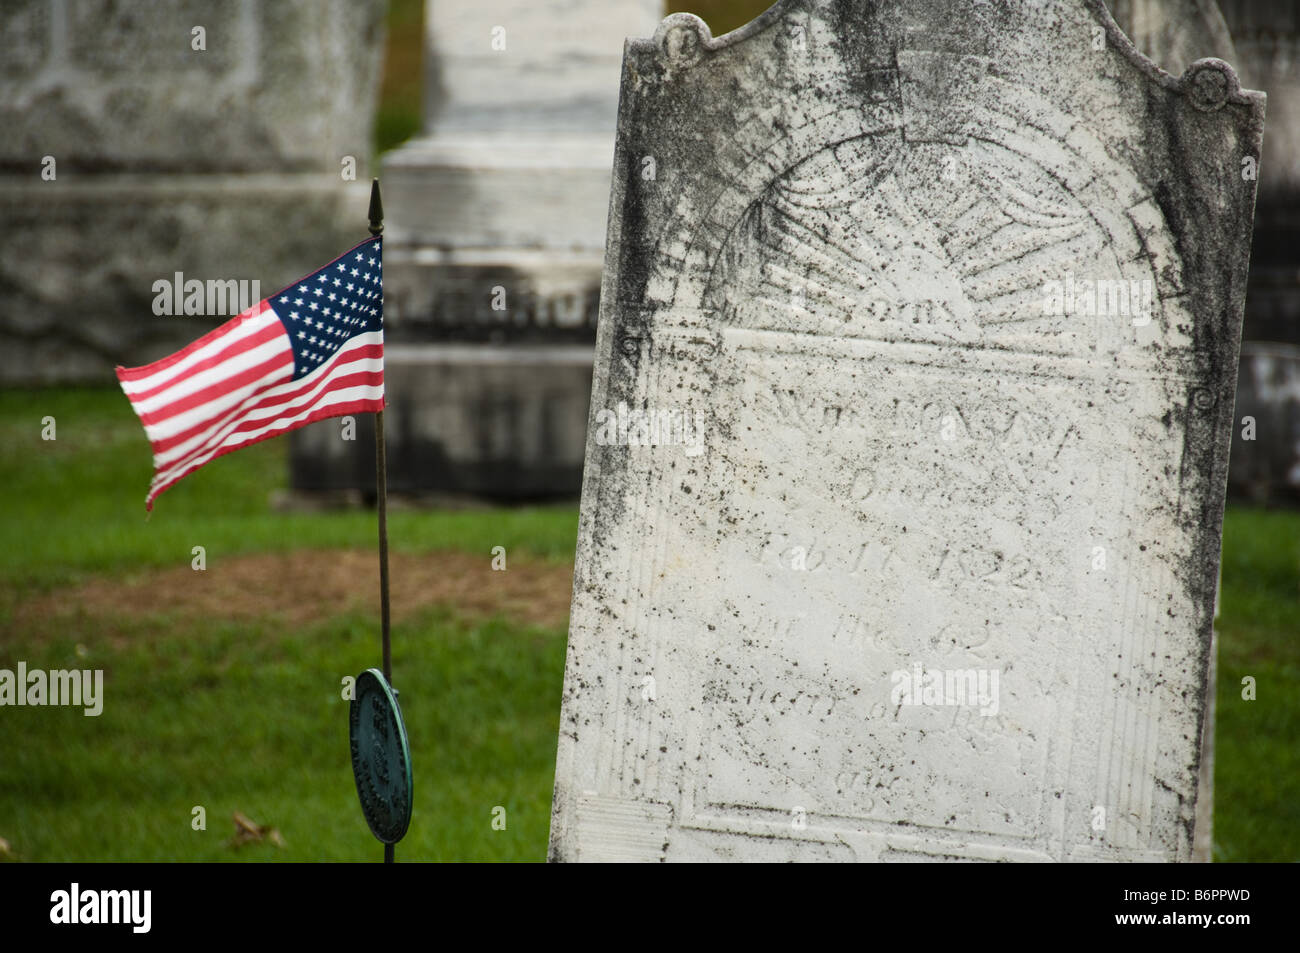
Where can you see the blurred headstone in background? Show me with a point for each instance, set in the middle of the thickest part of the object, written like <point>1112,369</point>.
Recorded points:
<point>1174,34</point>
<point>1266,440</point>
<point>1266,456</point>
<point>492,256</point>
<point>141,140</point>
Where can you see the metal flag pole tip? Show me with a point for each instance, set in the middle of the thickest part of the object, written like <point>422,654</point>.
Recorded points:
<point>381,756</point>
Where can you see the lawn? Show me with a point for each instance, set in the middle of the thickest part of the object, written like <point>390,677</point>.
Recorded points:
<point>1257,757</point>
<point>246,714</point>
<point>239,708</point>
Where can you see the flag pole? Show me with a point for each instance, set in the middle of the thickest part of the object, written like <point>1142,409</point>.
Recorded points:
<point>376,224</point>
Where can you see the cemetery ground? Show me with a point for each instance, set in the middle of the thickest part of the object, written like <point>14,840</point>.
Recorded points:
<point>222,687</point>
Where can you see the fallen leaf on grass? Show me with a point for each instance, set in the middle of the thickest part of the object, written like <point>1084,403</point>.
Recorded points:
<point>248,831</point>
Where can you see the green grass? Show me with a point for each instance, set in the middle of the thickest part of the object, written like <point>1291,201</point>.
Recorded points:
<point>1257,751</point>
<point>722,16</point>
<point>75,505</point>
<point>250,717</point>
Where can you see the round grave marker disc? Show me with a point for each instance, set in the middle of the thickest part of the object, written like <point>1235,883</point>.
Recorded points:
<point>381,757</point>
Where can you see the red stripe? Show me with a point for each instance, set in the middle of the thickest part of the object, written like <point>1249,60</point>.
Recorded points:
<point>167,443</point>
<point>220,389</point>
<point>217,420</point>
<point>339,410</point>
<point>135,373</point>
<point>359,378</point>
<point>360,354</point>
<point>330,378</point>
<point>232,351</point>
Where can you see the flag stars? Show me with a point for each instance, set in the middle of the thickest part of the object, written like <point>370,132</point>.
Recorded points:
<point>351,293</point>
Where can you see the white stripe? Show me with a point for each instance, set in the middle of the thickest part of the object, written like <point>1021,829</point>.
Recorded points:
<point>344,362</point>
<point>214,375</point>
<point>218,406</point>
<point>345,395</point>
<point>242,329</point>
<point>215,414</point>
<point>320,378</point>
<point>219,410</point>
<point>228,422</point>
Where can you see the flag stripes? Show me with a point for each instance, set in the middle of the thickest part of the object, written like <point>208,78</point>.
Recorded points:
<point>255,377</point>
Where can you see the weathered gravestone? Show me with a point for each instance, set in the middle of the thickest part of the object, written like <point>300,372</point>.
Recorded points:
<point>953,291</point>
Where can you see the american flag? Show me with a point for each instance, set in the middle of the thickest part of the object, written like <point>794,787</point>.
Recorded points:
<point>314,350</point>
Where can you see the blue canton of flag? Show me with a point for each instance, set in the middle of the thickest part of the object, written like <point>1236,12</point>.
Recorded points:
<point>325,309</point>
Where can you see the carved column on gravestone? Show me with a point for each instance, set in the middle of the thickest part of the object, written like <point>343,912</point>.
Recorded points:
<point>1174,34</point>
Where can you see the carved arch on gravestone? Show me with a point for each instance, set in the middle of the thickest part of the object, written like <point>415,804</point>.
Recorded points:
<point>908,158</point>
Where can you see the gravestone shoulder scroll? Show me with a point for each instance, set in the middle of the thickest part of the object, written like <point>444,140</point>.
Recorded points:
<point>910,427</point>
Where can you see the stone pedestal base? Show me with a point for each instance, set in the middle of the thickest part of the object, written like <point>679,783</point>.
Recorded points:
<point>506,424</point>
<point>102,241</point>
